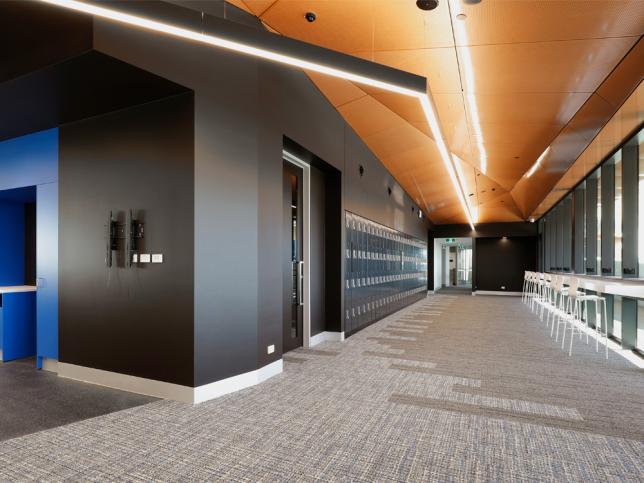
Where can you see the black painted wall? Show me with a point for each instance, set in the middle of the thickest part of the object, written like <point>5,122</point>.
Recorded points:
<point>243,109</point>
<point>500,262</point>
<point>30,243</point>
<point>511,230</point>
<point>138,320</point>
<point>204,168</point>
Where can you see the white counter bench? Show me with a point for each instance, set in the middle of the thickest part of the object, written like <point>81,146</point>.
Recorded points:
<point>18,289</point>
<point>610,285</point>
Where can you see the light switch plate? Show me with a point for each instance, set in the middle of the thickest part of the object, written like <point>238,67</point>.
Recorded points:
<point>144,258</point>
<point>135,258</point>
<point>157,258</point>
<point>270,349</point>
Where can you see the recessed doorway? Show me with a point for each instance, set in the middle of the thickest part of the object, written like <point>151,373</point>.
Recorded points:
<point>453,264</point>
<point>293,254</point>
<point>18,330</point>
<point>311,253</point>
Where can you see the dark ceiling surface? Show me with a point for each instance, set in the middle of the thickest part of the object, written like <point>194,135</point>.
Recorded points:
<point>49,74</point>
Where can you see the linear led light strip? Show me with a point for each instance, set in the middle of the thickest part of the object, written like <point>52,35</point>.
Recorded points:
<point>423,97</point>
<point>470,97</point>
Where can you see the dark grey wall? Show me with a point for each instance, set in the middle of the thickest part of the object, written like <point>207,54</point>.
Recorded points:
<point>30,243</point>
<point>483,230</point>
<point>501,262</point>
<point>318,252</point>
<point>243,108</point>
<point>139,320</point>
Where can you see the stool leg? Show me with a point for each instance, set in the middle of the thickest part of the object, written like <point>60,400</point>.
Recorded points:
<point>597,325</point>
<point>572,337</point>
<point>606,328</point>
<point>586,318</point>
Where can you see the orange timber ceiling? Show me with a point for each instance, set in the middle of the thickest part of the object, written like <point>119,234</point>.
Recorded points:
<point>509,80</point>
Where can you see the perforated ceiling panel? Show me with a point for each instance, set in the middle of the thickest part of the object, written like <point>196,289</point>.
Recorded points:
<point>509,80</point>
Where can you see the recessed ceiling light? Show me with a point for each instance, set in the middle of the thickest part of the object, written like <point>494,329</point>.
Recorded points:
<point>461,16</point>
<point>427,4</point>
<point>310,16</point>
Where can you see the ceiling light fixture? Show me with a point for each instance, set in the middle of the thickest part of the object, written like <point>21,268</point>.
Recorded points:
<point>458,162</point>
<point>423,97</point>
<point>468,90</point>
<point>537,163</point>
<point>427,4</point>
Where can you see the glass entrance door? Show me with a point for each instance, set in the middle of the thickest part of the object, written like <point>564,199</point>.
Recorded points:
<point>293,257</point>
<point>463,266</point>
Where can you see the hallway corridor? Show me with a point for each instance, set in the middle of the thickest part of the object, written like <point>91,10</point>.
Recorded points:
<point>453,388</point>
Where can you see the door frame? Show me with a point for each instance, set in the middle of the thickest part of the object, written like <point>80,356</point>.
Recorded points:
<point>306,243</point>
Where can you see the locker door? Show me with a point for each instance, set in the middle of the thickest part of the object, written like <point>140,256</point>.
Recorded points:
<point>348,264</point>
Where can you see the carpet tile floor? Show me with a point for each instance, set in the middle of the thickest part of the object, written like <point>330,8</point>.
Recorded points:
<point>452,388</point>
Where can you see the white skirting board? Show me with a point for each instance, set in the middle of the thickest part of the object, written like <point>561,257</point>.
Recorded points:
<point>50,365</point>
<point>496,292</point>
<point>324,336</point>
<point>236,383</point>
<point>168,390</point>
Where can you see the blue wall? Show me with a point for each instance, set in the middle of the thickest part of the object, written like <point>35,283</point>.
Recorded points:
<point>32,160</point>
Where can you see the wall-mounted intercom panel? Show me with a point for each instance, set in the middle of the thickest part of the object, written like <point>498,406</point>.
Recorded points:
<point>123,237</point>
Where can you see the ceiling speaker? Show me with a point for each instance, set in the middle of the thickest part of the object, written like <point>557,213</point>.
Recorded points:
<point>427,4</point>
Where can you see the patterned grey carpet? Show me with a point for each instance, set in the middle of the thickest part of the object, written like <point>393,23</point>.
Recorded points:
<point>453,388</point>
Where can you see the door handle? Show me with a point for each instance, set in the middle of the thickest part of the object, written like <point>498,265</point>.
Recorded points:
<point>300,283</point>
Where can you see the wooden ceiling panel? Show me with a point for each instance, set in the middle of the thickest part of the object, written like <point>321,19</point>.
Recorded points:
<point>406,107</point>
<point>342,25</point>
<point>418,158</point>
<point>532,72</point>
<point>512,21</point>
<point>337,91</point>
<point>625,78</point>
<point>449,213</point>
<point>629,116</point>
<point>396,139</point>
<point>529,133</point>
<point>368,116</point>
<point>457,137</point>
<point>591,117</point>
<point>241,4</point>
<point>536,107</point>
<point>500,209</point>
<point>400,25</point>
<point>572,66</point>
<point>257,7</point>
